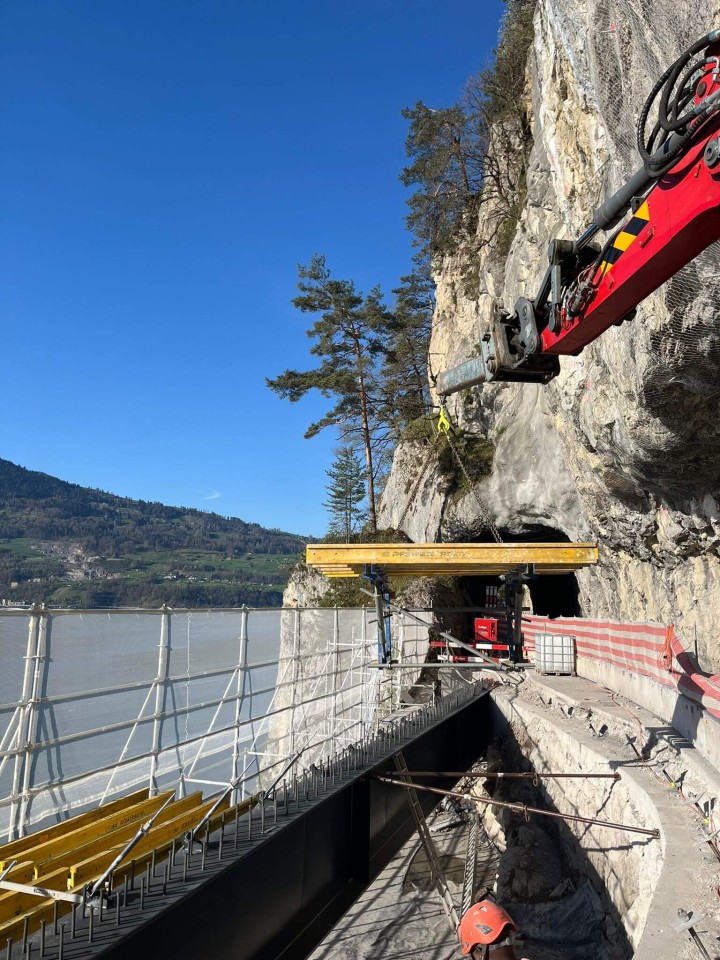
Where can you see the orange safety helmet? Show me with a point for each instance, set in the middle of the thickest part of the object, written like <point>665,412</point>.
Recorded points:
<point>484,923</point>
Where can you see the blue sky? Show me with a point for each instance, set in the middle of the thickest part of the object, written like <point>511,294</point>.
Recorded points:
<point>166,164</point>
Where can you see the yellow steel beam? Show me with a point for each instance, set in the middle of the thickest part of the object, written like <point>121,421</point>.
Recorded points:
<point>11,851</point>
<point>441,559</point>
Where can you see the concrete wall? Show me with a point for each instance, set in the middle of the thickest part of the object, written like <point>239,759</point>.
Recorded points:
<point>627,866</point>
<point>688,718</point>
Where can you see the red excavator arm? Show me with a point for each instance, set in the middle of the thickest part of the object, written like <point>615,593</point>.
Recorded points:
<point>673,203</point>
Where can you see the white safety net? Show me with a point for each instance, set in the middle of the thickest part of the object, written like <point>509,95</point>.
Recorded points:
<point>95,704</point>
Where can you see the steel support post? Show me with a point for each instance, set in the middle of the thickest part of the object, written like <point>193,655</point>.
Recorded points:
<point>514,581</point>
<point>22,720</point>
<point>10,737</point>
<point>160,683</point>
<point>32,715</point>
<point>363,674</point>
<point>240,695</point>
<point>517,620</point>
<point>335,666</point>
<point>294,681</point>
<point>380,615</point>
<point>21,741</point>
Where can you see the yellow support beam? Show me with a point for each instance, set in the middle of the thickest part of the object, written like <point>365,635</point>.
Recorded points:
<point>159,839</point>
<point>455,559</point>
<point>11,851</point>
<point>110,839</point>
<point>35,910</point>
<point>98,830</point>
<point>13,903</point>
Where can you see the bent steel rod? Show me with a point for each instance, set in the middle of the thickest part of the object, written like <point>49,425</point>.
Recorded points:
<point>529,776</point>
<point>520,807</point>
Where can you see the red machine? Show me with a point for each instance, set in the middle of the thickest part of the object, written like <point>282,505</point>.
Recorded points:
<point>488,640</point>
<point>485,630</point>
<point>485,638</point>
<point>674,206</point>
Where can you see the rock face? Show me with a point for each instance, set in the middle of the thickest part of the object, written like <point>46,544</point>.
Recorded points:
<point>305,588</point>
<point>622,447</point>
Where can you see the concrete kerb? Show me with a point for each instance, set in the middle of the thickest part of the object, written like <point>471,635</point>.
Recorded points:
<point>647,883</point>
<point>688,718</point>
<point>700,777</point>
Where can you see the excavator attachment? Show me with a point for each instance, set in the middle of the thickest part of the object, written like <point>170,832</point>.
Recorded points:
<point>673,203</point>
<point>506,353</point>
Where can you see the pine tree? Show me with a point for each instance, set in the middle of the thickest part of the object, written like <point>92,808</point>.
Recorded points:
<point>404,369</point>
<point>445,168</point>
<point>346,492</point>
<point>474,152</point>
<point>349,336</point>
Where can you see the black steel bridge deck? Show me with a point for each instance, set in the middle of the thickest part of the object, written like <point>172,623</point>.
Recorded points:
<point>272,883</point>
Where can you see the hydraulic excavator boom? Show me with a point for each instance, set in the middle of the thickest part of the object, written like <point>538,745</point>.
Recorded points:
<point>673,203</point>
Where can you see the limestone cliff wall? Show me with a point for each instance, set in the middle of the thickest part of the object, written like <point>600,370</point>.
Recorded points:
<point>622,448</point>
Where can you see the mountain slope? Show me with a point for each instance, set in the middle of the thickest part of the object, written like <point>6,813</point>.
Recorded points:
<point>65,544</point>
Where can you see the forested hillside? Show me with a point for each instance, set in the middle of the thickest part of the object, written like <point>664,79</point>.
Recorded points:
<point>69,545</point>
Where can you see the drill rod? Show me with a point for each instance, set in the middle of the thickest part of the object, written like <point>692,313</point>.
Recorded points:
<point>529,776</point>
<point>520,807</point>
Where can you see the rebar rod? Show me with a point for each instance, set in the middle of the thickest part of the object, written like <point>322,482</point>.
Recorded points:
<point>520,807</point>
<point>498,774</point>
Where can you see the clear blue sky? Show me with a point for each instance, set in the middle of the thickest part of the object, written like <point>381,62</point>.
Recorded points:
<point>166,164</point>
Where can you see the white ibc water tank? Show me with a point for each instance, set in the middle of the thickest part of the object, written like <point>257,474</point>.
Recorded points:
<point>555,653</point>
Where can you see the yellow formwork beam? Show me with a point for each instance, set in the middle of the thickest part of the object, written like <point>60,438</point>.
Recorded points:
<point>455,559</point>
<point>108,840</point>
<point>94,830</point>
<point>13,903</point>
<point>14,849</point>
<point>159,838</point>
<point>41,910</point>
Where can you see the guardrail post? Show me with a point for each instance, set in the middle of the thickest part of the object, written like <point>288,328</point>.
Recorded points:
<point>160,684</point>
<point>20,733</point>
<point>239,697</point>
<point>335,666</point>
<point>32,679</point>
<point>294,681</point>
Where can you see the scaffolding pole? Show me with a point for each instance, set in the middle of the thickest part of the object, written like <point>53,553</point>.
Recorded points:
<point>239,696</point>
<point>160,681</point>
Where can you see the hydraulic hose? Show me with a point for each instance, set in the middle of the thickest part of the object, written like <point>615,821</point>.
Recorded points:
<point>676,90</point>
<point>675,127</point>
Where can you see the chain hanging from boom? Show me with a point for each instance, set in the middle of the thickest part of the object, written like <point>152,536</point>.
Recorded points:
<point>445,425</point>
<point>444,428</point>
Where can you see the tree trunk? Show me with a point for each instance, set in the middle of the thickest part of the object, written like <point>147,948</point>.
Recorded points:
<point>364,419</point>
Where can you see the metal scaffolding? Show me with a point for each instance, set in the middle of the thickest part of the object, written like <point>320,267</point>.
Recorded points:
<point>94,704</point>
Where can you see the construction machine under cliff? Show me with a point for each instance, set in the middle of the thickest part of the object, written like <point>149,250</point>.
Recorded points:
<point>674,206</point>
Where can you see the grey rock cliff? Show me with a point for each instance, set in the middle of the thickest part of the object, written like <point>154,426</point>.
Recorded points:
<point>622,447</point>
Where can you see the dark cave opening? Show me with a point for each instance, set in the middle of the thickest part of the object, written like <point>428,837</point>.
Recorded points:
<point>551,596</point>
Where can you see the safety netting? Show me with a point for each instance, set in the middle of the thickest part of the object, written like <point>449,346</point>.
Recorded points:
<point>94,704</point>
<point>649,649</point>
